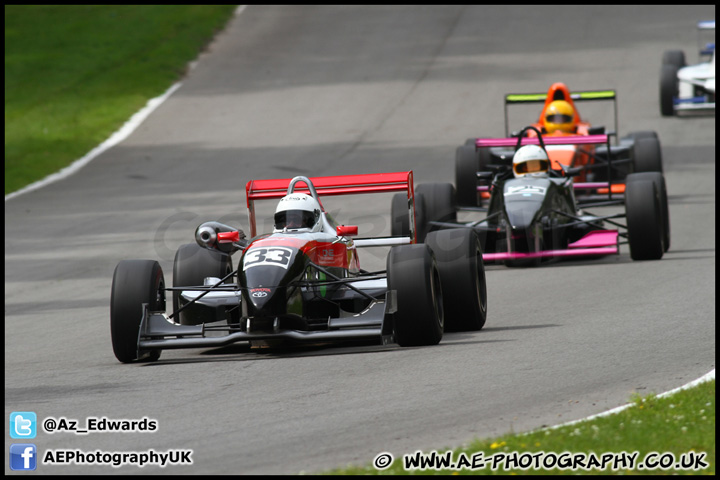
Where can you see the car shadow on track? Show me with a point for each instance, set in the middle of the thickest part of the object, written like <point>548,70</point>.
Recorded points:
<point>243,352</point>
<point>520,327</point>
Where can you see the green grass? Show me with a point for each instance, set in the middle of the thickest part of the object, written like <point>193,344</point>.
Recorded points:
<point>654,427</point>
<point>74,74</point>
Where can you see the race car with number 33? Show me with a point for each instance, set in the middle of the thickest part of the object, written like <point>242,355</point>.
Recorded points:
<point>302,283</point>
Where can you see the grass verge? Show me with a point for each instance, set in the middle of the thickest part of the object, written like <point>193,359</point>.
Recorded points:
<point>656,435</point>
<point>74,74</point>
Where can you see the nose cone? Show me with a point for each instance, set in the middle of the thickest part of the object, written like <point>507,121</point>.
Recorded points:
<point>524,199</point>
<point>266,288</point>
<point>266,302</point>
<point>271,270</point>
<point>520,215</point>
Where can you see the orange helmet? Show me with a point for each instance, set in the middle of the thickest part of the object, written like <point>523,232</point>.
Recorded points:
<point>560,116</point>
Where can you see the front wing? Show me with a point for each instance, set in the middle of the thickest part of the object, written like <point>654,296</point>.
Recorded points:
<point>596,243</point>
<point>157,331</point>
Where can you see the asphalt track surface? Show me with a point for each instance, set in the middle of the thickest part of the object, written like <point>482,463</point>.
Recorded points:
<point>334,90</point>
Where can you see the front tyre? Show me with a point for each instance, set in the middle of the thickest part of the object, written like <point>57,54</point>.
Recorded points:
<point>135,282</point>
<point>659,180</point>
<point>644,220</point>
<point>413,274</point>
<point>462,272</point>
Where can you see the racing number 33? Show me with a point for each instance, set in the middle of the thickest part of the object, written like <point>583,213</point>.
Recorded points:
<point>274,256</point>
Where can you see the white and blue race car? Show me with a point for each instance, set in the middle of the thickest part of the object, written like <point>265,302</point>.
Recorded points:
<point>688,88</point>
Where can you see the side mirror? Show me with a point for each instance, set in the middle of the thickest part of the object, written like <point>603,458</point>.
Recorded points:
<point>571,171</point>
<point>228,237</point>
<point>346,230</point>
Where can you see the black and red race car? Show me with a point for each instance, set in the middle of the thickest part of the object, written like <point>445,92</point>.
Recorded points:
<point>301,283</point>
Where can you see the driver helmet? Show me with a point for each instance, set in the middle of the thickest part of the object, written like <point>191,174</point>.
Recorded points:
<point>560,116</point>
<point>297,212</point>
<point>530,160</point>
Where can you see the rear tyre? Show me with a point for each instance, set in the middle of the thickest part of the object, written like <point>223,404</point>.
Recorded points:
<point>135,282</point>
<point>400,216</point>
<point>192,265</point>
<point>669,89</point>
<point>462,272</point>
<point>467,164</point>
<point>647,155</point>
<point>414,275</point>
<point>644,220</point>
<point>634,136</point>
<point>440,204</point>
<point>674,57</point>
<point>659,180</point>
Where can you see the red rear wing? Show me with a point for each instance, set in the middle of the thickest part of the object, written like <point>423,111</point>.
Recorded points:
<point>336,185</point>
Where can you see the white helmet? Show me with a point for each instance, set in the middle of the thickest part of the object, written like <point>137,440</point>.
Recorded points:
<point>530,160</point>
<point>298,212</point>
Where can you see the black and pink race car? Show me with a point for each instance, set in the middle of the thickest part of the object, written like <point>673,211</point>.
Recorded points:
<point>532,219</point>
<point>302,283</point>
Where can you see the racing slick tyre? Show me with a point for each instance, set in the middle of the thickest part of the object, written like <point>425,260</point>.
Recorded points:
<point>462,273</point>
<point>467,164</point>
<point>634,136</point>
<point>674,57</point>
<point>414,276</point>
<point>439,203</point>
<point>669,89</point>
<point>644,220</point>
<point>192,265</point>
<point>400,216</point>
<point>135,282</point>
<point>659,180</point>
<point>647,155</point>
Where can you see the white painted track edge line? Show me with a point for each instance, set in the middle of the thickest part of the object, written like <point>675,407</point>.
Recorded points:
<point>113,140</point>
<point>705,378</point>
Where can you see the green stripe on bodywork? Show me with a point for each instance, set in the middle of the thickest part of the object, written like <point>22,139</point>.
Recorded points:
<point>526,97</point>
<point>593,95</point>
<point>540,97</point>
